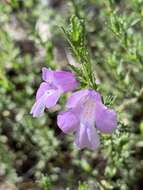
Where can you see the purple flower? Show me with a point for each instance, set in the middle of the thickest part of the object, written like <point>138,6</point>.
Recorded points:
<point>56,83</point>
<point>85,112</point>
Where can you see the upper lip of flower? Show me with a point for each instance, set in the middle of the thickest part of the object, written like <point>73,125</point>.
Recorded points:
<point>88,111</point>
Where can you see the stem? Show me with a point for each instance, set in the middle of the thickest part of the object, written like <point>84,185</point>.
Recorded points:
<point>76,9</point>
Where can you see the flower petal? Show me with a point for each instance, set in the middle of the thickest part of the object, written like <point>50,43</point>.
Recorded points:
<point>93,137</point>
<point>52,98</point>
<point>106,119</point>
<point>47,75</point>
<point>65,80</point>
<point>38,107</point>
<point>44,86</point>
<point>87,137</point>
<point>76,98</point>
<point>47,100</point>
<point>95,96</point>
<point>68,121</point>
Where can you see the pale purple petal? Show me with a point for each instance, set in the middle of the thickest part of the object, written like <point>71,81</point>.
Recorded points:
<point>93,137</point>
<point>44,86</point>
<point>47,100</point>
<point>76,98</point>
<point>88,112</point>
<point>52,98</point>
<point>38,107</point>
<point>106,119</point>
<point>47,75</point>
<point>87,137</point>
<point>65,80</point>
<point>68,121</point>
<point>95,96</point>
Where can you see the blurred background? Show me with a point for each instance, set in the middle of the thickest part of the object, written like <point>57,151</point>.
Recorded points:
<point>34,153</point>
